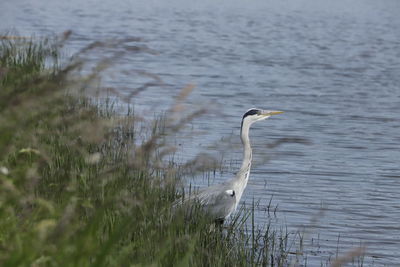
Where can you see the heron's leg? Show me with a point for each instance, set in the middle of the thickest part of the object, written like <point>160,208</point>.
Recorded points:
<point>217,225</point>
<point>219,222</point>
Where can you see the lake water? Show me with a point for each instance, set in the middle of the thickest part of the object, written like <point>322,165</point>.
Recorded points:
<point>331,161</point>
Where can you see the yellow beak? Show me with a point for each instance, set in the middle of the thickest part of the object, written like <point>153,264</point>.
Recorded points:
<point>271,112</point>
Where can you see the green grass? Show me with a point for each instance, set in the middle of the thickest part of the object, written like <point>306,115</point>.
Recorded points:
<point>78,189</point>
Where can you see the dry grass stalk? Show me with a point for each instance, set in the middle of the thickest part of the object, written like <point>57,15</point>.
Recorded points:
<point>348,257</point>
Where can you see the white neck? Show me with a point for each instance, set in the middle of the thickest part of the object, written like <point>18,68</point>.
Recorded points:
<point>247,152</point>
<point>239,182</point>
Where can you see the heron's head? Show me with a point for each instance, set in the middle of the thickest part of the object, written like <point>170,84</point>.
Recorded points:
<point>254,114</point>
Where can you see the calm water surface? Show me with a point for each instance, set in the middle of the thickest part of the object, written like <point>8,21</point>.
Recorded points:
<point>334,68</point>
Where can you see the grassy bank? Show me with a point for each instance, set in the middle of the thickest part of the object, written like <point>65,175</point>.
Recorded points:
<point>79,189</point>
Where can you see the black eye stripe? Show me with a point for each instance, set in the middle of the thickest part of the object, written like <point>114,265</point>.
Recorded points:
<point>251,112</point>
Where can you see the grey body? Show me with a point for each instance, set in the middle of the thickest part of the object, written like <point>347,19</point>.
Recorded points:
<point>220,200</point>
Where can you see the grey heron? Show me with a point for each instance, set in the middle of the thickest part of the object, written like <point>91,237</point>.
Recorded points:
<point>220,200</point>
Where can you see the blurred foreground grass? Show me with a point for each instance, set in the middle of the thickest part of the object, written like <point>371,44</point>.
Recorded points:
<point>78,189</point>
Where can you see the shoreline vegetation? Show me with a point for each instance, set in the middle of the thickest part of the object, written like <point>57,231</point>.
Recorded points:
<point>80,188</point>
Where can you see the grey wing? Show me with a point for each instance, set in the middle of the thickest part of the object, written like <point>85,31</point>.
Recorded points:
<point>216,202</point>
